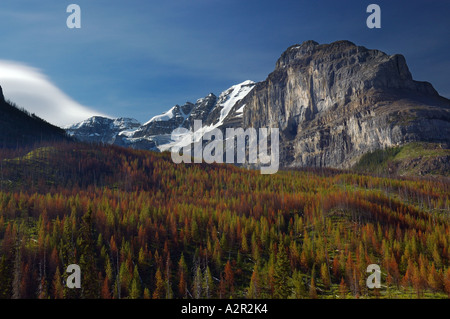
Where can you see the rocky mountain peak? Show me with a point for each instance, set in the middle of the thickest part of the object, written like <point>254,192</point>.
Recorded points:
<point>187,107</point>
<point>311,49</point>
<point>350,67</point>
<point>101,129</point>
<point>2,98</point>
<point>333,102</point>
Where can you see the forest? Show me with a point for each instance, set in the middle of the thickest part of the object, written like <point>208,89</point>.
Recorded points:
<point>140,226</point>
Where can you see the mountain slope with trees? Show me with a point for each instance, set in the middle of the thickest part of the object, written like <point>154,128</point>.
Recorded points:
<point>19,128</point>
<point>141,226</point>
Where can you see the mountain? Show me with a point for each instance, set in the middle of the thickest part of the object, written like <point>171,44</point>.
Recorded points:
<point>155,134</point>
<point>19,128</point>
<point>333,103</point>
<point>100,129</point>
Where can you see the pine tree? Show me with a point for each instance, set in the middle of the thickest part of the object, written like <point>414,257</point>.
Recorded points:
<point>182,286</point>
<point>169,291</point>
<point>90,286</point>
<point>313,289</point>
<point>282,282</point>
<point>197,284</point>
<point>208,283</point>
<point>5,278</point>
<point>106,293</point>
<point>254,289</point>
<point>325,275</point>
<point>17,270</point>
<point>299,285</point>
<point>342,289</point>
<point>244,244</point>
<point>229,279</point>
<point>182,275</point>
<point>135,291</point>
<point>222,291</point>
<point>447,282</point>
<point>160,287</point>
<point>58,290</point>
<point>434,280</point>
<point>147,293</point>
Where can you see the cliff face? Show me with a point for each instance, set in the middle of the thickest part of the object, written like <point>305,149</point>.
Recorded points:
<point>335,102</point>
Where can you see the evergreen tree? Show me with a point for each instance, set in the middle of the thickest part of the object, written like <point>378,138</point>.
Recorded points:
<point>342,289</point>
<point>147,293</point>
<point>159,292</point>
<point>5,278</point>
<point>447,282</point>
<point>58,289</point>
<point>182,275</point>
<point>299,285</point>
<point>197,284</point>
<point>135,291</point>
<point>325,275</point>
<point>253,291</point>
<point>208,283</point>
<point>106,293</point>
<point>282,281</point>
<point>43,289</point>
<point>313,289</point>
<point>229,279</point>
<point>90,285</point>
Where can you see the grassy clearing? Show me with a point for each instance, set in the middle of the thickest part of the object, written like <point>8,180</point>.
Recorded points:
<point>410,159</point>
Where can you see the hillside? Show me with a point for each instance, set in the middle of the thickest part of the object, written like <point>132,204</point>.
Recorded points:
<point>412,159</point>
<point>18,128</point>
<point>141,226</point>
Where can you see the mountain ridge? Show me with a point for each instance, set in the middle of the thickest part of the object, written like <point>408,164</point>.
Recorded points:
<point>211,110</point>
<point>19,128</point>
<point>333,103</point>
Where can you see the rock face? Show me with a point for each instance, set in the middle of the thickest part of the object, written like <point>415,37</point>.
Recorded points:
<point>335,102</point>
<point>201,111</point>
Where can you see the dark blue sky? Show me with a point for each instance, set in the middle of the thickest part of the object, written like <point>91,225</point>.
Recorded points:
<point>139,57</point>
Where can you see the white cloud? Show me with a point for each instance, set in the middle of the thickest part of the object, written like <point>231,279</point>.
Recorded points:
<point>29,88</point>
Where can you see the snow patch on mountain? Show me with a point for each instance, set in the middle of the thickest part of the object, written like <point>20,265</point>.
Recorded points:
<point>163,117</point>
<point>230,97</point>
<point>227,100</point>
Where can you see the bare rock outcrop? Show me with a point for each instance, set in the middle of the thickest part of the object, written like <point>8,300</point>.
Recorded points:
<point>335,102</point>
